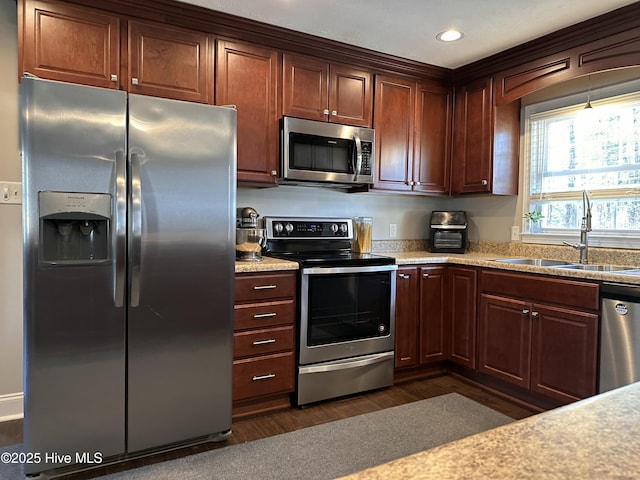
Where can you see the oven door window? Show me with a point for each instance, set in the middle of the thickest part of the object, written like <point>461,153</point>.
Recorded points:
<point>347,307</point>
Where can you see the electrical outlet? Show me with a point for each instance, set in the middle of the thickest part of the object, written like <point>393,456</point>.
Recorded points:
<point>10,192</point>
<point>393,230</point>
<point>515,232</point>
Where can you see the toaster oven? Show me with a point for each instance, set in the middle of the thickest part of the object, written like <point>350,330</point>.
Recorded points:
<point>448,232</point>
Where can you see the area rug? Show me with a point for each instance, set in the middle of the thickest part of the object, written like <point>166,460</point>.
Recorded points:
<point>328,450</point>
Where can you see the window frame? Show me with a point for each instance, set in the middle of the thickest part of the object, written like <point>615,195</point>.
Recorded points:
<point>576,101</point>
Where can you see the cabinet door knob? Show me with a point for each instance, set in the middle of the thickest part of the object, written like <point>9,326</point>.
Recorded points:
<point>334,113</point>
<point>134,81</point>
<point>114,78</point>
<point>417,183</point>
<point>535,314</point>
<point>326,111</point>
<point>274,173</point>
<point>404,275</point>
<point>484,182</point>
<point>425,275</point>
<point>525,312</point>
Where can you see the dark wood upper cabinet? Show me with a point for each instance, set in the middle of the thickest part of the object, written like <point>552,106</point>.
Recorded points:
<point>170,62</point>
<point>472,150</point>
<point>394,121</point>
<point>485,142</point>
<point>432,147</point>
<point>413,135</point>
<point>70,43</point>
<point>247,76</point>
<point>318,90</point>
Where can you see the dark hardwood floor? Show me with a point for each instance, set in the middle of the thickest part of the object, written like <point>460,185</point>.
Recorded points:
<point>265,425</point>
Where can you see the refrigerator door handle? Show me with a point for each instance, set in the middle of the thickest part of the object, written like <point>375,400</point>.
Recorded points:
<point>119,251</point>
<point>135,229</point>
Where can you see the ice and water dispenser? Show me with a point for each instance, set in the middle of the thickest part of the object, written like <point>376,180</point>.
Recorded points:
<point>74,228</point>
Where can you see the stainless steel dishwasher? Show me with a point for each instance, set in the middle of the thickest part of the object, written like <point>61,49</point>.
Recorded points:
<point>619,336</point>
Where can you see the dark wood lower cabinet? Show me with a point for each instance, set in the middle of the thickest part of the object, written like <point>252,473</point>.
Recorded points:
<point>434,325</point>
<point>504,339</point>
<point>407,323</point>
<point>563,352</point>
<point>462,300</point>
<point>546,349</point>
<point>427,332</point>
<point>531,336</point>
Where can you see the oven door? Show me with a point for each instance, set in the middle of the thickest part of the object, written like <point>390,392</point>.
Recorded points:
<point>346,312</point>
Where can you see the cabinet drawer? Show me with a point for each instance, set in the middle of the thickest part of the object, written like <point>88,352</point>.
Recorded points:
<point>583,295</point>
<point>266,375</point>
<point>262,342</point>
<point>265,286</point>
<point>267,314</point>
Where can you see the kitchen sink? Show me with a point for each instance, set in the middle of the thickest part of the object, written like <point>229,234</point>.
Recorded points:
<point>538,262</point>
<point>595,267</point>
<point>635,272</point>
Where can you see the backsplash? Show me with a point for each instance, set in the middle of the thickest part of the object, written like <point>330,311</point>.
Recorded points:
<point>613,256</point>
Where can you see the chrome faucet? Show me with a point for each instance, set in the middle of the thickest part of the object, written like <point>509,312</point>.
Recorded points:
<point>583,246</point>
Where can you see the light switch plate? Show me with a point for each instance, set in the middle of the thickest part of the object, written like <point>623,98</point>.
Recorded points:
<point>10,192</point>
<point>515,232</point>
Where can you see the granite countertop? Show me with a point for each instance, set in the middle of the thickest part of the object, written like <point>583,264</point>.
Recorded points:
<point>596,438</point>
<point>476,259</point>
<point>489,260</point>
<point>267,264</point>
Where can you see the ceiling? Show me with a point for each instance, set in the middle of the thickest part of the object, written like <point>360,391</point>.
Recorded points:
<point>407,28</point>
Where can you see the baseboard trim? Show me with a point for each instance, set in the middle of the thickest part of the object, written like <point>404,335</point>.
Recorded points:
<point>11,407</point>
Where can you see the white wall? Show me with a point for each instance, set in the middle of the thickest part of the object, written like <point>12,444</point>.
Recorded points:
<point>10,221</point>
<point>409,213</point>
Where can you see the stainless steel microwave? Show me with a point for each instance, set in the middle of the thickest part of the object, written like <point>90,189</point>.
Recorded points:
<point>326,153</point>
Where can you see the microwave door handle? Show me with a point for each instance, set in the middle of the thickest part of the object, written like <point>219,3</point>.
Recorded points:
<point>358,165</point>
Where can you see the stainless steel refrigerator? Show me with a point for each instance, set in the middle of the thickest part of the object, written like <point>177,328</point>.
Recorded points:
<point>128,226</point>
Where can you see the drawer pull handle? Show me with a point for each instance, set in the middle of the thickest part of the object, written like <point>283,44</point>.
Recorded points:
<point>263,377</point>
<point>265,315</point>
<point>264,287</point>
<point>404,275</point>
<point>264,342</point>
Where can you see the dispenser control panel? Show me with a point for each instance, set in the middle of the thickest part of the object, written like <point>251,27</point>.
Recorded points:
<point>74,228</point>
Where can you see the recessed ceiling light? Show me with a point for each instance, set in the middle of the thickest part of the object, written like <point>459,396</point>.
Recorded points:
<point>449,36</point>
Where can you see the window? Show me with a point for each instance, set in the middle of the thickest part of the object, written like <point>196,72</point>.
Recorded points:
<point>569,149</point>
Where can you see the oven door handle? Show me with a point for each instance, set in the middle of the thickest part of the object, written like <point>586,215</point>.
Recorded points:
<point>347,363</point>
<point>333,270</point>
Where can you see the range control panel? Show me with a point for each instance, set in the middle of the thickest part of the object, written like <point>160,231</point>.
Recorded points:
<point>308,229</point>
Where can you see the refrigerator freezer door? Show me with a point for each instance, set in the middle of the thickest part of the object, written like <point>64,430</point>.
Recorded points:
<point>181,268</point>
<point>74,335</point>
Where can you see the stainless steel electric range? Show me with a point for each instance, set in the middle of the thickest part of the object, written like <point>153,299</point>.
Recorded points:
<point>346,304</point>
